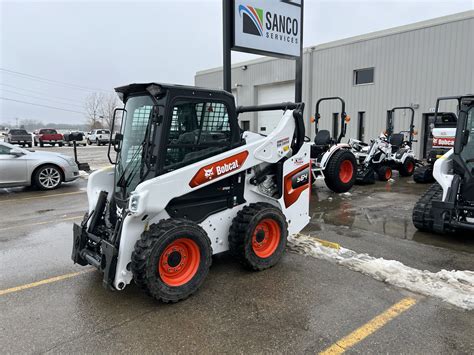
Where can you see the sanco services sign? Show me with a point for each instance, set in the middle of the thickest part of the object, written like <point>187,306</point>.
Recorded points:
<point>268,27</point>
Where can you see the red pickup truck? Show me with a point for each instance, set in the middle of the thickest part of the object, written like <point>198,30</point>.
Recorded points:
<point>48,136</point>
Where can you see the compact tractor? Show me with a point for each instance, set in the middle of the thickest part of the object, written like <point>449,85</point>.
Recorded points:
<point>390,151</point>
<point>443,133</point>
<point>448,205</point>
<point>329,157</point>
<point>186,184</point>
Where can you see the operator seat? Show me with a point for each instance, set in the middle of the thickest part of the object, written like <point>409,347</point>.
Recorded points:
<point>396,140</point>
<point>322,142</point>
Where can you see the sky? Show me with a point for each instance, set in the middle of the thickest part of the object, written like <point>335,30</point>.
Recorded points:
<point>81,47</point>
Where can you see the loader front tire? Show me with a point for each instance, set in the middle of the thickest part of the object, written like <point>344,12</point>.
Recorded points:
<point>171,259</point>
<point>257,236</point>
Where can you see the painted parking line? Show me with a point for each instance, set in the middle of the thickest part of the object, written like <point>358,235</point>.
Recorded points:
<point>20,225</point>
<point>370,327</point>
<point>43,282</point>
<point>44,196</point>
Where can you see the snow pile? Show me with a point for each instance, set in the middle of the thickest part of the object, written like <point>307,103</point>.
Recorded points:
<point>454,287</point>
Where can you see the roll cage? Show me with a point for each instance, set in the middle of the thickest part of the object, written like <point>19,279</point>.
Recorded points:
<point>317,116</point>
<point>390,123</point>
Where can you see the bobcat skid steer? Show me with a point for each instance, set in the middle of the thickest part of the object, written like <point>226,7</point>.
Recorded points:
<point>188,183</point>
<point>448,205</point>
<point>443,133</point>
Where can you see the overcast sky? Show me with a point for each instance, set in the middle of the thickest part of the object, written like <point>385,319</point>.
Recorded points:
<point>98,45</point>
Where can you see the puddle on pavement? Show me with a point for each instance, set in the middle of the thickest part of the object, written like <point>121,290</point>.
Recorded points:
<point>383,208</point>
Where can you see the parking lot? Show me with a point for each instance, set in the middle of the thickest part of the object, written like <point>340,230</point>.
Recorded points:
<point>304,304</point>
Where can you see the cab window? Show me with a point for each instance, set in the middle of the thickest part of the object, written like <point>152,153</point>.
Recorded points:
<point>467,154</point>
<point>198,130</point>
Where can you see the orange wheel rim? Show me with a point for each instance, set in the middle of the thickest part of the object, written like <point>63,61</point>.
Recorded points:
<point>410,167</point>
<point>346,171</point>
<point>179,262</point>
<point>266,238</point>
<point>388,174</point>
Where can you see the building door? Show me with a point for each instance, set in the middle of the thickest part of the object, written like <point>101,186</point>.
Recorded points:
<point>273,94</point>
<point>245,125</point>
<point>335,125</point>
<point>361,126</point>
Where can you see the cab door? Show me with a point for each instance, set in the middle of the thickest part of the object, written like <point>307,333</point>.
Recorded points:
<point>13,168</point>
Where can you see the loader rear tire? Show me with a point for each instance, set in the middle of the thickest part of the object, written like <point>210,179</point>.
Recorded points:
<point>341,170</point>
<point>171,259</point>
<point>257,236</point>
<point>422,214</point>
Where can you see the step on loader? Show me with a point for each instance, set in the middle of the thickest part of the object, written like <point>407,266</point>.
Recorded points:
<point>188,183</point>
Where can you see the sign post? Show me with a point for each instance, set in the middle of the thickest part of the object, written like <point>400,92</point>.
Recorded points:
<point>266,27</point>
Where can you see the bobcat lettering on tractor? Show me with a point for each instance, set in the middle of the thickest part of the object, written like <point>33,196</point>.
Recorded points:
<point>227,167</point>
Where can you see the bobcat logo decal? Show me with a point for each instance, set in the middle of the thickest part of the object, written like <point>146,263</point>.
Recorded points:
<point>209,173</point>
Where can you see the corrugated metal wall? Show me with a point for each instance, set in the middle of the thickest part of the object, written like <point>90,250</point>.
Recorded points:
<point>411,67</point>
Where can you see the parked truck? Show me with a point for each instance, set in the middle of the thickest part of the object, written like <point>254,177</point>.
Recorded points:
<point>19,136</point>
<point>48,136</point>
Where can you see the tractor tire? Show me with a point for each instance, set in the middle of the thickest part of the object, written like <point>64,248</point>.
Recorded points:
<point>384,173</point>
<point>424,174</point>
<point>171,259</point>
<point>258,235</point>
<point>422,215</point>
<point>408,167</point>
<point>341,170</point>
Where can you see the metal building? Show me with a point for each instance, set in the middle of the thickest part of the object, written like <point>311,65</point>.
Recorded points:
<point>410,65</point>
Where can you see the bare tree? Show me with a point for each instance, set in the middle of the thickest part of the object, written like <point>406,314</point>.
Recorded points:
<point>93,105</point>
<point>107,107</point>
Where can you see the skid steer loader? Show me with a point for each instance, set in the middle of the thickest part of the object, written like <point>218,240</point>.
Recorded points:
<point>330,158</point>
<point>448,205</point>
<point>188,183</point>
<point>390,151</point>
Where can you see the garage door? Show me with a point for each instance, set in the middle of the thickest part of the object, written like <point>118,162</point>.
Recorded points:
<point>273,94</point>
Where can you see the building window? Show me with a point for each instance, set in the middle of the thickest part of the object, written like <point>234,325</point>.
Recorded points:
<point>245,125</point>
<point>335,125</point>
<point>361,126</point>
<point>364,76</point>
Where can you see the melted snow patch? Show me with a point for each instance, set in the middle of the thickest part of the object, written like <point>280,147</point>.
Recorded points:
<point>454,287</point>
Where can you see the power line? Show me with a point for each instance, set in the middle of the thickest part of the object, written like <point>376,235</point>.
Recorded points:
<point>39,92</point>
<point>51,81</point>
<point>51,107</point>
<point>39,98</point>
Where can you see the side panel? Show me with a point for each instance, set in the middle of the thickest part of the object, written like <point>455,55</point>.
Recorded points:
<point>442,171</point>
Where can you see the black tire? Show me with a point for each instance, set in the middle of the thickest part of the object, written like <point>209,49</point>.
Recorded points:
<point>30,145</point>
<point>408,167</point>
<point>422,214</point>
<point>60,144</point>
<point>384,173</point>
<point>258,221</point>
<point>342,158</point>
<point>47,177</point>
<point>41,144</point>
<point>424,174</point>
<point>151,248</point>
<point>97,142</point>
<point>88,142</point>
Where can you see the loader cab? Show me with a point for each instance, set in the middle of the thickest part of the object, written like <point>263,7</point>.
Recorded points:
<point>167,127</point>
<point>464,143</point>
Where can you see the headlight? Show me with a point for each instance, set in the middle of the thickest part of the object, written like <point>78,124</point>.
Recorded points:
<point>133,205</point>
<point>70,161</point>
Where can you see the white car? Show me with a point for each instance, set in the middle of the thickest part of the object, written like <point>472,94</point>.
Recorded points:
<point>99,137</point>
<point>45,170</point>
